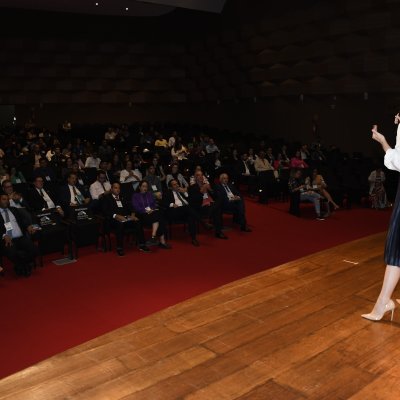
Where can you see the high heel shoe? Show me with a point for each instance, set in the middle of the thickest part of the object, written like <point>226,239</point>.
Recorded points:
<point>389,307</point>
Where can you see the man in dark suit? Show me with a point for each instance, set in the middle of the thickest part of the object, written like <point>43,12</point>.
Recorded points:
<point>41,199</point>
<point>73,195</point>
<point>121,218</point>
<point>232,201</point>
<point>176,204</point>
<point>14,243</point>
<point>205,202</point>
<point>246,174</point>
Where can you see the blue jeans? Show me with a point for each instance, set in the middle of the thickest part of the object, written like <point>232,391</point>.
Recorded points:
<point>312,198</point>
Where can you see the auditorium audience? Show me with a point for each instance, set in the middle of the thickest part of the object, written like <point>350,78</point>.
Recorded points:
<point>51,170</point>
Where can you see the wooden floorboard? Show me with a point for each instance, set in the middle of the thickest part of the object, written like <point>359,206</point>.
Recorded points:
<point>291,332</point>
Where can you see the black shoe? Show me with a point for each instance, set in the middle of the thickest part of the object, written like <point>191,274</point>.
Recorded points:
<point>164,246</point>
<point>195,243</point>
<point>246,229</point>
<point>144,249</point>
<point>208,226</point>
<point>120,252</point>
<point>221,236</point>
<point>152,242</point>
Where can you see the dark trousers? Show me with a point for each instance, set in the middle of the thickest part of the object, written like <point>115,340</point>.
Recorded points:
<point>237,208</point>
<point>214,212</point>
<point>266,185</point>
<point>21,253</point>
<point>150,219</point>
<point>250,181</point>
<point>184,213</point>
<point>121,228</point>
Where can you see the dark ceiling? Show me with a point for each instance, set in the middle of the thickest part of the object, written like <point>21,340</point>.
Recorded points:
<point>138,8</point>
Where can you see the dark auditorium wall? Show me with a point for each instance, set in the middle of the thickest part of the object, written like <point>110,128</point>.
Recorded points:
<point>179,66</point>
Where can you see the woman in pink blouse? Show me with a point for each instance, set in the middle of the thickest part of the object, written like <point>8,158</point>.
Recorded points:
<point>297,162</point>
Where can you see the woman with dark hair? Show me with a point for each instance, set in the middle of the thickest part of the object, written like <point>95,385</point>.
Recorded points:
<point>145,206</point>
<point>175,174</point>
<point>384,303</point>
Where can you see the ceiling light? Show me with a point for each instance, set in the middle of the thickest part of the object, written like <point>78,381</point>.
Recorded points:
<point>96,4</point>
<point>126,9</point>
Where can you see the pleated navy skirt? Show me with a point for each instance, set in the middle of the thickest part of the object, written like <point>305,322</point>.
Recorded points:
<point>392,247</point>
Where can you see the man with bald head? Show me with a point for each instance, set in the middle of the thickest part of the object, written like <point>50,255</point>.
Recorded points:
<point>232,201</point>
<point>205,201</point>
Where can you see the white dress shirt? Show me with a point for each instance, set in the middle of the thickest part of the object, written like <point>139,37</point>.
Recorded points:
<point>16,230</point>
<point>46,198</point>
<point>92,162</point>
<point>125,178</point>
<point>178,201</point>
<point>96,189</point>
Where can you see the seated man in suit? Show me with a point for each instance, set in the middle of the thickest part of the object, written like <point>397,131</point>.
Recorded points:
<point>72,195</point>
<point>120,217</point>
<point>246,173</point>
<point>14,244</point>
<point>205,202</point>
<point>40,199</point>
<point>232,201</point>
<point>176,204</point>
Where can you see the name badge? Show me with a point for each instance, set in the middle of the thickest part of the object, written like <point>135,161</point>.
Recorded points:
<point>8,226</point>
<point>205,196</point>
<point>148,209</point>
<point>80,181</point>
<point>154,187</point>
<point>119,203</point>
<point>47,178</point>
<point>17,180</point>
<point>315,186</point>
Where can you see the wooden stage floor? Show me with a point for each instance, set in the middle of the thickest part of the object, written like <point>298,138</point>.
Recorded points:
<point>292,332</point>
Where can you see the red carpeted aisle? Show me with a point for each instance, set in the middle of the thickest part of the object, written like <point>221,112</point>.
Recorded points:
<point>61,307</point>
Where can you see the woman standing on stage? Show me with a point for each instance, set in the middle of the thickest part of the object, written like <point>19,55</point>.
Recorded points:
<point>385,304</point>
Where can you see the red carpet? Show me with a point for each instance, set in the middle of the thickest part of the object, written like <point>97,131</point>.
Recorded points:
<point>61,307</point>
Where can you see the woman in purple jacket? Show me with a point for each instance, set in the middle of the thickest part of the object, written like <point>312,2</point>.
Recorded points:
<point>145,206</point>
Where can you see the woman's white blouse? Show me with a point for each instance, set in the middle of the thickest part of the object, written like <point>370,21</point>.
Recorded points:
<point>392,156</point>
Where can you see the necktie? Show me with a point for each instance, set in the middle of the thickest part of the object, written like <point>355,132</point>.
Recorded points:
<point>227,189</point>
<point>104,188</point>
<point>77,197</point>
<point>7,220</point>
<point>180,197</point>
